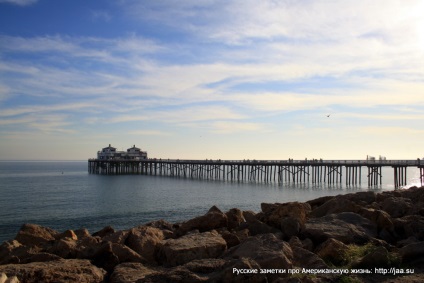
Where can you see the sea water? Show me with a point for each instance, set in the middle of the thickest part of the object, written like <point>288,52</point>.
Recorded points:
<point>62,195</point>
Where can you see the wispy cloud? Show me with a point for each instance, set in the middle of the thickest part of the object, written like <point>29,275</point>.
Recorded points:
<point>219,67</point>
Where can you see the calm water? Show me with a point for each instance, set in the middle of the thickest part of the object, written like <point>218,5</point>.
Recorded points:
<point>62,195</point>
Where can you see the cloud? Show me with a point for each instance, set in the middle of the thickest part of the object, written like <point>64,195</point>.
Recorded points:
<point>20,2</point>
<point>295,20</point>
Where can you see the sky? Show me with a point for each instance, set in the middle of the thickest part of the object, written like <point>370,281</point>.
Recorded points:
<point>203,79</point>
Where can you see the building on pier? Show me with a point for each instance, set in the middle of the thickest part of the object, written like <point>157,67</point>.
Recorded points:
<point>132,153</point>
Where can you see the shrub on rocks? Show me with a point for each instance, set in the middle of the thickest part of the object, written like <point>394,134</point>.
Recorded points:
<point>333,251</point>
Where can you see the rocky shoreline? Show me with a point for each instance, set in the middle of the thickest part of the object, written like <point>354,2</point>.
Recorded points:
<point>360,237</point>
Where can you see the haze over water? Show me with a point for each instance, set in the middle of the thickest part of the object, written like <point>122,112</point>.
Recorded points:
<point>62,195</point>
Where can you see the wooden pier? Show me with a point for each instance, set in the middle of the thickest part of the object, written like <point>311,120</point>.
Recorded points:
<point>290,171</point>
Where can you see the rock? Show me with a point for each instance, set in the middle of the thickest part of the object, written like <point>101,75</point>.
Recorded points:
<point>290,227</point>
<point>118,237</point>
<point>70,270</point>
<point>410,226</point>
<point>302,258</point>
<point>193,246</point>
<point>67,234</point>
<point>82,233</point>
<point>230,238</point>
<point>396,206</point>
<point>235,218</point>
<point>335,205</point>
<point>166,227</point>
<point>266,250</point>
<point>206,266</point>
<point>412,252</point>
<point>110,255</point>
<point>274,213</point>
<point>131,272</point>
<point>346,227</point>
<point>362,198</point>
<point>380,218</point>
<point>104,232</point>
<point>65,248</point>
<point>87,247</point>
<point>229,275</point>
<point>35,235</point>
<point>249,216</point>
<point>12,252</point>
<point>145,240</point>
<point>258,227</point>
<point>213,219</point>
<point>177,274</point>
<point>10,279</point>
<point>319,201</point>
<point>333,251</point>
<point>377,257</point>
<point>41,257</point>
<point>194,271</point>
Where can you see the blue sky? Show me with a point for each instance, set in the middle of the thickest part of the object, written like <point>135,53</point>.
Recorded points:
<point>212,79</point>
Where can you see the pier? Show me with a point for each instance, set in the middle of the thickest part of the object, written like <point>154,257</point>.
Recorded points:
<point>290,171</point>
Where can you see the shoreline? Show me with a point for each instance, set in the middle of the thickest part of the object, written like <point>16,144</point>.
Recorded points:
<point>369,234</point>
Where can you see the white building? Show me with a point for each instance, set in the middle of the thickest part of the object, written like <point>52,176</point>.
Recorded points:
<point>133,153</point>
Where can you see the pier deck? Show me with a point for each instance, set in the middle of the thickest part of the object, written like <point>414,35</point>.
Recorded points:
<point>296,171</point>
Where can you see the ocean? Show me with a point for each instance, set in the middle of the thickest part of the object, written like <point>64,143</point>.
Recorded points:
<point>62,195</point>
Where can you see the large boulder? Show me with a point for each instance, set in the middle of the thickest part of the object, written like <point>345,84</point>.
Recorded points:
<point>110,255</point>
<point>410,226</point>
<point>118,237</point>
<point>230,275</point>
<point>65,248</point>
<point>335,205</point>
<point>70,270</point>
<point>412,252</point>
<point>12,252</point>
<point>192,246</point>
<point>131,272</point>
<point>35,235</point>
<point>235,218</point>
<point>213,219</point>
<point>145,240</point>
<point>266,250</point>
<point>397,206</point>
<point>347,227</point>
<point>304,258</point>
<point>5,279</point>
<point>333,251</point>
<point>274,213</point>
<point>376,257</point>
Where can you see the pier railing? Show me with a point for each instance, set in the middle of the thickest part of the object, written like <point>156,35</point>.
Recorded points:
<point>313,170</point>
